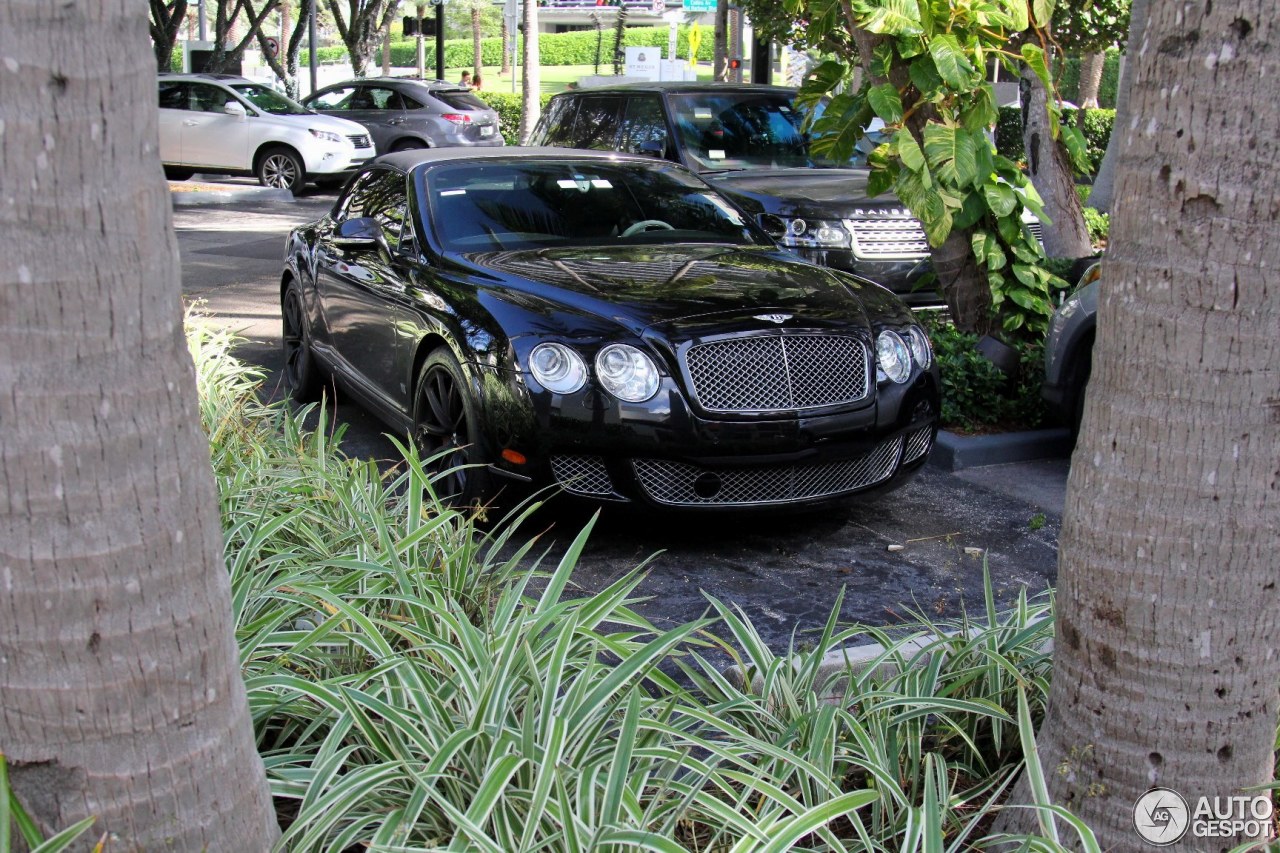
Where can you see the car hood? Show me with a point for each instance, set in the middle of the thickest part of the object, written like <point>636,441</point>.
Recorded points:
<point>815,193</point>
<point>690,290</point>
<point>333,124</point>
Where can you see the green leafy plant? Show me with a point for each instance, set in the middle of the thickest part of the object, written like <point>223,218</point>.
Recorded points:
<point>976,395</point>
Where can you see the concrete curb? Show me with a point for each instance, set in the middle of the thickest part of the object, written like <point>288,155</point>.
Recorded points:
<point>839,665</point>
<point>231,194</point>
<point>954,452</point>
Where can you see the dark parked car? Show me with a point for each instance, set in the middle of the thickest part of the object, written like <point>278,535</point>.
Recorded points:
<point>403,114</point>
<point>1068,351</point>
<point>747,142</point>
<point>607,323</point>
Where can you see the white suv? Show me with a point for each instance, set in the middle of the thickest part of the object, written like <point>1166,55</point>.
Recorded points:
<point>229,125</point>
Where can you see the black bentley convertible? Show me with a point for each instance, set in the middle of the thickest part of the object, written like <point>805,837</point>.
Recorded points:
<point>606,323</point>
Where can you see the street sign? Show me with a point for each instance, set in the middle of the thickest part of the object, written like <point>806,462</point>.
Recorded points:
<point>272,46</point>
<point>699,5</point>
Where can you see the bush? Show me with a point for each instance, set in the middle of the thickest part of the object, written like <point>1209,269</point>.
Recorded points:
<point>976,396</point>
<point>1096,130</point>
<point>510,108</point>
<point>1099,225</point>
<point>573,48</point>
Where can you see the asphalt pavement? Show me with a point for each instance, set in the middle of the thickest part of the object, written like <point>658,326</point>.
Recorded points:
<point>922,548</point>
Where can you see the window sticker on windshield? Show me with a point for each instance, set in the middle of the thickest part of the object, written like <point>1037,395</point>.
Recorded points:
<point>715,154</point>
<point>452,192</point>
<point>703,113</point>
<point>601,184</point>
<point>734,216</point>
<point>567,184</point>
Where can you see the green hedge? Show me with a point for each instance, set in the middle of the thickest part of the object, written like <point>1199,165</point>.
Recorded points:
<point>575,48</point>
<point>1069,80</point>
<point>510,107</point>
<point>1097,130</point>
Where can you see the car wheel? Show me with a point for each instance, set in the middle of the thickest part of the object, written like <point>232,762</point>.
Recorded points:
<point>282,169</point>
<point>173,173</point>
<point>408,145</point>
<point>446,431</point>
<point>301,373</point>
<point>1079,384</point>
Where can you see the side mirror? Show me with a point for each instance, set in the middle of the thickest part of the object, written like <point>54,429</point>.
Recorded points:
<point>234,108</point>
<point>652,148</point>
<point>361,233</point>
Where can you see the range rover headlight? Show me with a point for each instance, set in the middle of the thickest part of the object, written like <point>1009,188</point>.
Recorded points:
<point>558,368</point>
<point>627,373</point>
<point>892,356</point>
<point>921,351</point>
<point>816,233</point>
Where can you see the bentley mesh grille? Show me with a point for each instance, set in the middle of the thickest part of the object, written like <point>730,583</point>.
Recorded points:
<point>776,373</point>
<point>582,475</point>
<point>900,238</point>
<point>917,444</point>
<point>682,484</point>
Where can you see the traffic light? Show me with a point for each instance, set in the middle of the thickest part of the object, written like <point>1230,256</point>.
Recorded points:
<point>735,64</point>
<point>410,25</point>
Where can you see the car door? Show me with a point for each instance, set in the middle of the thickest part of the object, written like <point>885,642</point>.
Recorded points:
<point>597,123</point>
<point>211,138</point>
<point>174,100</point>
<point>358,103</point>
<point>362,295</point>
<point>644,128</point>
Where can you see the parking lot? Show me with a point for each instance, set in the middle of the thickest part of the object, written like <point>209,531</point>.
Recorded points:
<point>923,547</point>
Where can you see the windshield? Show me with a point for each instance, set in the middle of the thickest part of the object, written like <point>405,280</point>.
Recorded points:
<point>749,130</point>
<point>539,204</point>
<point>269,100</point>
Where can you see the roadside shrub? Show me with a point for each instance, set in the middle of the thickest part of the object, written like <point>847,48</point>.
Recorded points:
<point>510,107</point>
<point>976,395</point>
<point>415,684</point>
<point>1096,130</point>
<point>1099,227</point>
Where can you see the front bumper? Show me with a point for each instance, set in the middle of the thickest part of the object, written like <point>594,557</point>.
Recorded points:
<point>663,454</point>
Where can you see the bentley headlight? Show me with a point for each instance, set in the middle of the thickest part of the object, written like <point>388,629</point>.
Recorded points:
<point>558,368</point>
<point>921,351</point>
<point>627,373</point>
<point>816,233</point>
<point>893,357</point>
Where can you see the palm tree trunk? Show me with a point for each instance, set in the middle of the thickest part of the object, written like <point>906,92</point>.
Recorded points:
<point>477,63</point>
<point>119,673</point>
<point>532,86</point>
<point>1165,669</point>
<point>1102,194</point>
<point>1091,65</point>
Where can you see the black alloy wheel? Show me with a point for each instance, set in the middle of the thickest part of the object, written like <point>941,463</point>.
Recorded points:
<point>301,374</point>
<point>446,432</point>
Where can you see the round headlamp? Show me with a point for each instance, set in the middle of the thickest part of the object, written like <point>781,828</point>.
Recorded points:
<point>921,351</point>
<point>892,356</point>
<point>558,368</point>
<point>627,373</point>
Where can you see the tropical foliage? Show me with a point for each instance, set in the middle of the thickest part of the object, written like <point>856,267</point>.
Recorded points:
<point>414,685</point>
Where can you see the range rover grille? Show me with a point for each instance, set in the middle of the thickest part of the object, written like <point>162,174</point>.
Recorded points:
<point>896,238</point>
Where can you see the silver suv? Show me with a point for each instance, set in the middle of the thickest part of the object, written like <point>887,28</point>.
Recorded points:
<point>404,114</point>
<point>223,124</point>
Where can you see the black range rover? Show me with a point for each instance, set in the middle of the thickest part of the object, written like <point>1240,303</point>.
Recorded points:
<point>746,141</point>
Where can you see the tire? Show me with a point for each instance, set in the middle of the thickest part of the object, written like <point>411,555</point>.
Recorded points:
<point>281,168</point>
<point>446,431</point>
<point>409,145</point>
<point>173,173</point>
<point>1079,384</point>
<point>301,373</point>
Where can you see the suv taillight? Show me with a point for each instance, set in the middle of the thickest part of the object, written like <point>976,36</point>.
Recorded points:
<point>456,118</point>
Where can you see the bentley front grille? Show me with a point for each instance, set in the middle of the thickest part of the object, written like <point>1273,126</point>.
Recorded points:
<point>778,373</point>
<point>681,484</point>
<point>898,238</point>
<point>917,444</point>
<point>582,475</point>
